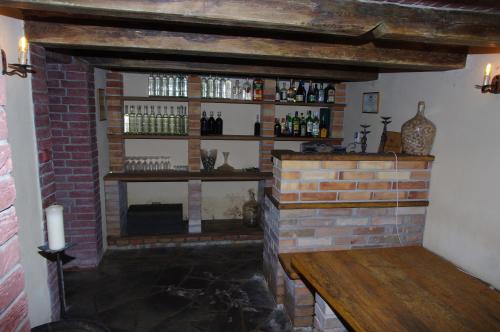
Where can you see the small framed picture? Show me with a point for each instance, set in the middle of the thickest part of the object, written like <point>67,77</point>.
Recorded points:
<point>101,97</point>
<point>371,101</point>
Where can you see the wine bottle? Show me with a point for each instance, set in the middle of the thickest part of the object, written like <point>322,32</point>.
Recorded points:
<point>277,127</point>
<point>152,121</point>
<point>289,124</point>
<point>311,97</point>
<point>278,94</point>
<point>283,92</point>
<point>330,94</point>
<point>186,121</point>
<point>309,124</point>
<point>126,120</point>
<point>316,93</point>
<point>132,120</point>
<point>296,124</point>
<point>315,125</point>
<point>300,97</point>
<point>210,87</point>
<point>159,122</point>
<point>219,124</point>
<point>204,124</point>
<point>302,125</point>
<point>171,122</point>
<point>164,85</point>
<point>256,127</point>
<point>321,94</point>
<point>178,121</point>
<point>284,131</point>
<point>157,85</point>
<point>151,85</point>
<point>290,95</point>
<point>138,121</point>
<point>323,130</point>
<point>211,124</point>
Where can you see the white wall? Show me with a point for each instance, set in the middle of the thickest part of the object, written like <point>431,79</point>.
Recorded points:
<point>463,221</point>
<point>28,204</point>
<point>102,149</point>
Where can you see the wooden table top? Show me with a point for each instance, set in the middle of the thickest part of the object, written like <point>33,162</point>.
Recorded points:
<point>400,289</point>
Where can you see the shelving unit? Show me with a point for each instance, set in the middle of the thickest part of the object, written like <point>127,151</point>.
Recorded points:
<point>116,181</point>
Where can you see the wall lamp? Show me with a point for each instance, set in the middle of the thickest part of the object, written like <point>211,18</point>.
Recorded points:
<point>488,86</point>
<point>22,68</point>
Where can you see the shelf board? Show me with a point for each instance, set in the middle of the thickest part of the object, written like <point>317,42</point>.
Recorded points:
<point>309,104</point>
<point>156,98</point>
<point>140,136</point>
<point>307,139</point>
<point>232,138</point>
<point>179,176</point>
<point>232,101</point>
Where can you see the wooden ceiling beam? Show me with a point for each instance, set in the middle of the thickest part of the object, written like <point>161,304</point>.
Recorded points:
<point>59,35</point>
<point>348,18</point>
<point>232,69</point>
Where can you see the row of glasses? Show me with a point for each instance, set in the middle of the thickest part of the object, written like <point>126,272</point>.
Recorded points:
<point>147,164</point>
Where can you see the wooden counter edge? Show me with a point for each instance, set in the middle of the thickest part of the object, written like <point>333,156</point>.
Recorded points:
<point>321,156</point>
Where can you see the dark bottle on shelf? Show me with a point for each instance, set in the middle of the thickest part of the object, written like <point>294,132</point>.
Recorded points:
<point>277,127</point>
<point>316,93</point>
<point>311,96</point>
<point>290,96</point>
<point>219,124</point>
<point>316,125</point>
<point>323,130</point>
<point>300,96</point>
<point>302,125</point>
<point>211,124</point>
<point>309,124</point>
<point>296,125</point>
<point>320,96</point>
<point>289,124</point>
<point>204,124</point>
<point>256,127</point>
<point>330,94</point>
<point>278,94</point>
<point>284,130</point>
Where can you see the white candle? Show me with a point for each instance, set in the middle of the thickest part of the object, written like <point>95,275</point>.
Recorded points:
<point>55,227</point>
<point>23,51</point>
<point>486,78</point>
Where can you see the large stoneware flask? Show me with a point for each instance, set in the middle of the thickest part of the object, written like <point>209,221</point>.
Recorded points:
<point>417,134</point>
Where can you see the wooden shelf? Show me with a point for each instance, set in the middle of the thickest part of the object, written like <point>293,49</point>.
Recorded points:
<point>156,98</point>
<point>140,136</point>
<point>306,139</point>
<point>179,176</point>
<point>232,138</point>
<point>233,101</point>
<point>309,104</point>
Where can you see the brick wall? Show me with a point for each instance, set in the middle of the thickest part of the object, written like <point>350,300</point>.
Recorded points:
<point>325,320</point>
<point>13,301</point>
<point>326,181</point>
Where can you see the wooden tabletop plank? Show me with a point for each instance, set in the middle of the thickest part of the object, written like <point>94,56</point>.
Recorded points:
<point>286,263</point>
<point>400,289</point>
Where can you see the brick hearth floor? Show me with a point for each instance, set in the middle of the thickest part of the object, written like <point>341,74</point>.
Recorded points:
<point>211,288</point>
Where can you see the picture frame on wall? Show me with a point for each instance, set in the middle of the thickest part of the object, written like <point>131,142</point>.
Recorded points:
<point>371,102</point>
<point>101,97</point>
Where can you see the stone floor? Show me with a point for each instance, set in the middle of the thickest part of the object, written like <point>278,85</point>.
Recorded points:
<point>211,288</point>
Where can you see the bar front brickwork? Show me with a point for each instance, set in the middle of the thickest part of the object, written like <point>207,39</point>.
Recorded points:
<point>301,215</point>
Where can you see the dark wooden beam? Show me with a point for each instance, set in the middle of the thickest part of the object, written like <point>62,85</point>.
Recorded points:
<point>59,35</point>
<point>232,69</point>
<point>349,18</point>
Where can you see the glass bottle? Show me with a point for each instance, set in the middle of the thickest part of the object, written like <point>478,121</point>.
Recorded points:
<point>145,120</point>
<point>258,89</point>
<point>204,88</point>
<point>184,82</point>
<point>300,96</point>
<point>277,96</point>
<point>303,126</point>
<point>159,122</point>
<point>256,127</point>
<point>290,95</point>
<point>164,121</point>
<point>246,91</point>
<point>211,124</point>
<point>132,120</point>
<point>320,97</point>
<point>315,131</point>
<point>171,121</point>
<point>216,87</point>
<point>229,89</point>
<point>171,85</point>
<point>237,90</point>
<point>250,211</point>
<point>164,85</point>
<point>178,121</point>
<point>203,124</point>
<point>186,121</point>
<point>219,124</point>
<point>152,120</point>
<point>283,92</point>
<point>277,126</point>
<point>323,128</point>
<point>330,94</point>
<point>177,86</point>
<point>284,131</point>
<point>157,85</point>
<point>151,85</point>
<point>223,93</point>
<point>311,96</point>
<point>289,124</point>
<point>138,121</point>
<point>126,120</point>
<point>210,87</point>
<point>296,124</point>
<point>309,124</point>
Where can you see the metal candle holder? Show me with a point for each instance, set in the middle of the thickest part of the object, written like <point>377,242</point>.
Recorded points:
<point>385,120</point>
<point>364,138</point>
<point>17,69</point>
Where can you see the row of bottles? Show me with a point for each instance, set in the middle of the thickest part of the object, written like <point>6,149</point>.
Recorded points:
<point>310,126</point>
<point>147,121</point>
<point>167,85</point>
<point>211,126</point>
<point>313,93</point>
<point>224,88</point>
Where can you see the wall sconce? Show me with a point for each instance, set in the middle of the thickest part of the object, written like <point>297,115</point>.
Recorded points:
<point>491,87</point>
<point>22,68</point>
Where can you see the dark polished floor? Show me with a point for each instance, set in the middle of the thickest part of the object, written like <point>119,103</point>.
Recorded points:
<point>214,288</point>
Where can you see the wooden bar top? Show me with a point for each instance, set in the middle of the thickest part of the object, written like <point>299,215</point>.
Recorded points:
<point>399,289</point>
<point>293,155</point>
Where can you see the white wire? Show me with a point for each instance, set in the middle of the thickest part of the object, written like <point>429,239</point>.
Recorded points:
<point>397,197</point>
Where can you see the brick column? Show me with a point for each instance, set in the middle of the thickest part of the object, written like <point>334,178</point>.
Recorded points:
<point>325,320</point>
<point>13,300</point>
<point>337,112</point>
<point>194,146</point>
<point>114,103</point>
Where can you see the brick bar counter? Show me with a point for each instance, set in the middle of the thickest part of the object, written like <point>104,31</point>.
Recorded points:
<point>323,201</point>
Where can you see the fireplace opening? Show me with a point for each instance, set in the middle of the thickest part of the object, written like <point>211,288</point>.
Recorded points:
<point>155,219</point>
